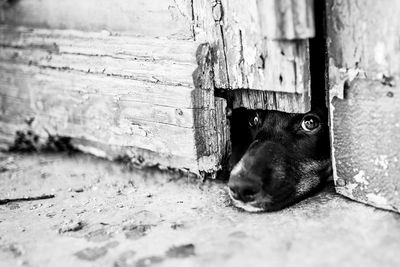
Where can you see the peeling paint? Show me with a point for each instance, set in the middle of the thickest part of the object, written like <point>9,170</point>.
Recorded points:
<point>339,76</point>
<point>382,162</point>
<point>360,178</point>
<point>366,161</point>
<point>347,190</point>
<point>208,161</point>
<point>350,188</point>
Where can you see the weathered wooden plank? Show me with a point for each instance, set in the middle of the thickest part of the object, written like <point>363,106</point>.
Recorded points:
<point>156,71</point>
<point>94,110</point>
<point>170,19</point>
<point>364,106</point>
<point>258,63</point>
<point>102,122</point>
<point>99,44</point>
<point>135,154</point>
<point>208,28</point>
<point>223,135</point>
<point>137,100</point>
<point>170,105</point>
<point>149,59</point>
<point>212,140</point>
<point>286,19</point>
<point>247,59</point>
<point>258,99</point>
<point>13,78</point>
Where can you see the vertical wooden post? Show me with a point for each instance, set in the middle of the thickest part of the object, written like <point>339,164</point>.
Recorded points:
<point>260,50</point>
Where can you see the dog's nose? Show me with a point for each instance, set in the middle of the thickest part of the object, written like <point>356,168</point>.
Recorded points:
<point>244,190</point>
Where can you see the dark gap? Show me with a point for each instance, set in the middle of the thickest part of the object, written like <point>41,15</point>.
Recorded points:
<point>318,59</point>
<point>222,93</point>
<point>346,88</point>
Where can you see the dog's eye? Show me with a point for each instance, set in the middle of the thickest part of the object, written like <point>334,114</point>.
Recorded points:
<point>310,123</point>
<point>254,120</point>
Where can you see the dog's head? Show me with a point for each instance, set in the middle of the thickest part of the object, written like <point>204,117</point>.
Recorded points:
<point>278,158</point>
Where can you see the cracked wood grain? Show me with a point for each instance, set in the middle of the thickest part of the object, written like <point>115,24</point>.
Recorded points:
<point>166,19</point>
<point>112,95</point>
<point>245,58</point>
<point>287,19</point>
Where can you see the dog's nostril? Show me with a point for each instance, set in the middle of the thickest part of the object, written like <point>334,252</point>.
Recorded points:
<point>244,193</point>
<point>249,192</point>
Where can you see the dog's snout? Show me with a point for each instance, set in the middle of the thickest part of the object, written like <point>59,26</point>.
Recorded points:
<point>244,190</point>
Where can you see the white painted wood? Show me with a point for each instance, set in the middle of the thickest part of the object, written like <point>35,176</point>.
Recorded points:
<point>166,18</point>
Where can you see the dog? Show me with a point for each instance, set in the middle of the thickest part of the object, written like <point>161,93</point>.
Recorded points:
<point>278,158</point>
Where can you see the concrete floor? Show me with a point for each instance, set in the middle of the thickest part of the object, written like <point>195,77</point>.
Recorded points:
<point>103,214</point>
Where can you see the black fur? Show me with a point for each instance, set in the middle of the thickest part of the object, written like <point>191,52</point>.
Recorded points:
<point>275,161</point>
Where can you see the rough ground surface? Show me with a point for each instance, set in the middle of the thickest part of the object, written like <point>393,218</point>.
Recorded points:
<point>103,214</point>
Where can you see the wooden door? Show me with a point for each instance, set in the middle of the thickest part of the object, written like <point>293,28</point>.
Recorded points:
<point>138,80</point>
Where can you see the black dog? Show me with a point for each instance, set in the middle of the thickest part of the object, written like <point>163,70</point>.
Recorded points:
<point>278,158</point>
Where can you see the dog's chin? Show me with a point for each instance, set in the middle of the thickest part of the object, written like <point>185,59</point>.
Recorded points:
<point>249,206</point>
<point>246,206</point>
<point>261,206</point>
